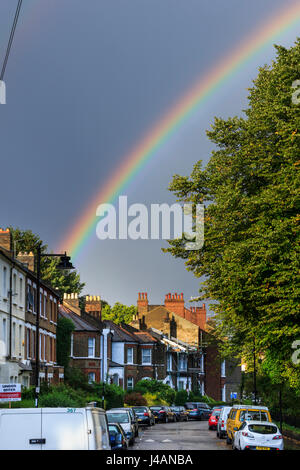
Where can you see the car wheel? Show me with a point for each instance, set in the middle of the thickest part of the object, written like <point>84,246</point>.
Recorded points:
<point>228,440</point>
<point>166,420</point>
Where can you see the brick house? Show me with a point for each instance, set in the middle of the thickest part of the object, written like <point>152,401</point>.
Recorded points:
<point>193,360</point>
<point>91,340</point>
<point>136,355</point>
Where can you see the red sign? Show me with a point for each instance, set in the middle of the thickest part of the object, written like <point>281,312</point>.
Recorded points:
<point>10,392</point>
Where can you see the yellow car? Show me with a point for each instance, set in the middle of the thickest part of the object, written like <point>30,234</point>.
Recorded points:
<point>240,413</point>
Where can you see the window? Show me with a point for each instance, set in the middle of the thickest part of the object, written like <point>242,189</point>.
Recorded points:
<point>129,355</point>
<point>21,291</point>
<point>181,385</point>
<point>91,347</point>
<point>4,336</point>
<point>14,293</point>
<point>169,363</point>
<point>91,377</point>
<point>223,369</point>
<point>4,282</point>
<point>182,362</point>
<point>129,383</point>
<point>20,340</point>
<point>146,356</point>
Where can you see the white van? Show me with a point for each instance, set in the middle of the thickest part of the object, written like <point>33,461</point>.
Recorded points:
<point>54,429</point>
<point>221,426</point>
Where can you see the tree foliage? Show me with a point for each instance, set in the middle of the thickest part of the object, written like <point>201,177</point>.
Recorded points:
<point>119,313</point>
<point>64,281</point>
<point>250,189</point>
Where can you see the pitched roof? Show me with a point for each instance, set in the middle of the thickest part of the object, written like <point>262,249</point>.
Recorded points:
<point>79,323</point>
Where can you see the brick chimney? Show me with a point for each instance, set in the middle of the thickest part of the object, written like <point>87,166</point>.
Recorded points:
<point>175,303</point>
<point>27,259</point>
<point>5,239</point>
<point>93,306</point>
<point>197,315</point>
<point>72,302</point>
<point>142,303</point>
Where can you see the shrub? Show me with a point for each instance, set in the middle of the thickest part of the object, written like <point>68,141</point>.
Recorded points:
<point>153,399</point>
<point>181,397</point>
<point>135,399</point>
<point>162,391</point>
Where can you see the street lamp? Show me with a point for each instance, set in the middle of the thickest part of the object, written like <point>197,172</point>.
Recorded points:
<point>64,263</point>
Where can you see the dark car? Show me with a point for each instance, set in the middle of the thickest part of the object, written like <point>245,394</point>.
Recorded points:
<point>163,414</point>
<point>134,419</point>
<point>144,415</point>
<point>198,410</point>
<point>180,412</point>
<point>118,440</point>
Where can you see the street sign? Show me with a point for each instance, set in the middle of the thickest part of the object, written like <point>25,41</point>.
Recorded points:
<point>10,392</point>
<point>233,395</point>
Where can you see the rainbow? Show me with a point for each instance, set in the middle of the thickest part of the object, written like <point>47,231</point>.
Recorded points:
<point>133,162</point>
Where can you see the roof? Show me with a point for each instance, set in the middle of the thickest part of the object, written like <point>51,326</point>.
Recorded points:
<point>113,364</point>
<point>129,334</point>
<point>79,323</point>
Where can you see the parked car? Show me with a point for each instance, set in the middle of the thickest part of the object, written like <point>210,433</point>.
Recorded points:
<point>221,426</point>
<point>241,413</point>
<point>180,412</point>
<point>198,410</point>
<point>134,419</point>
<point>163,414</point>
<point>258,435</point>
<point>214,418</point>
<point>144,415</point>
<point>118,439</point>
<point>54,429</point>
<point>123,417</point>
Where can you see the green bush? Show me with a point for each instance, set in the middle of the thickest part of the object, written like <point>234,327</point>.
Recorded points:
<point>162,391</point>
<point>181,397</point>
<point>135,399</point>
<point>113,395</point>
<point>62,396</point>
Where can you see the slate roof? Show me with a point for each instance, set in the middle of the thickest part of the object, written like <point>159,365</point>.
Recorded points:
<point>79,323</point>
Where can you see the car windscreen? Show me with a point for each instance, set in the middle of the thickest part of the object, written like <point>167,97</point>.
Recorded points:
<point>140,410</point>
<point>117,418</point>
<point>216,412</point>
<point>253,415</point>
<point>262,428</point>
<point>156,408</point>
<point>113,429</point>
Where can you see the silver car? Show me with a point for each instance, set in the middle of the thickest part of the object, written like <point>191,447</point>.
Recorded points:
<point>123,417</point>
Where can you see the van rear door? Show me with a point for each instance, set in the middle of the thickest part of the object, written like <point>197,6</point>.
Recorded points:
<point>20,429</point>
<point>64,429</point>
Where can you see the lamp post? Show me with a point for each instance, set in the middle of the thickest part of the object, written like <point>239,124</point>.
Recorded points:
<point>63,264</point>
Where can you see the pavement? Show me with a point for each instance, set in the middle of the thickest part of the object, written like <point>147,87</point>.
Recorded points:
<point>187,435</point>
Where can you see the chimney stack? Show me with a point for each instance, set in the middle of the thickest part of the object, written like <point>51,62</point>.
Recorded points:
<point>5,239</point>
<point>175,303</point>
<point>142,303</point>
<point>27,259</point>
<point>72,302</point>
<point>93,306</point>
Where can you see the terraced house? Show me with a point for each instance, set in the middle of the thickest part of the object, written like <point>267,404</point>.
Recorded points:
<point>18,300</point>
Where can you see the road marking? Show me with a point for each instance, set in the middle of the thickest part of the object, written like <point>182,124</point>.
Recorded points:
<point>149,440</point>
<point>167,440</point>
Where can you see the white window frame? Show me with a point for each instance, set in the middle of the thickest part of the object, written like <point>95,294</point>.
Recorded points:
<point>143,360</point>
<point>131,385</point>
<point>130,360</point>
<point>93,346</point>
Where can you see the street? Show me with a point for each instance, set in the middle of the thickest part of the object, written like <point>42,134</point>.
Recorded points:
<point>190,435</point>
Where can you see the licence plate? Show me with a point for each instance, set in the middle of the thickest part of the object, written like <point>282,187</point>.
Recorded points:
<point>262,448</point>
<point>140,419</point>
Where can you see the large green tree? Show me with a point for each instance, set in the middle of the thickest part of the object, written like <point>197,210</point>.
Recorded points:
<point>250,189</point>
<point>65,281</point>
<point>119,313</point>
